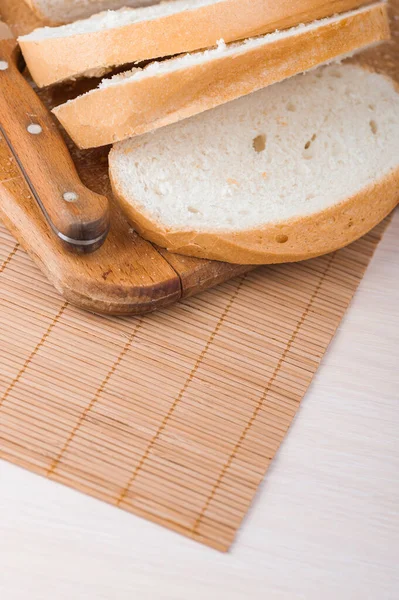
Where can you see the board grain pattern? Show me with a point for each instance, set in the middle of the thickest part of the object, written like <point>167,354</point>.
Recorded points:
<point>127,275</point>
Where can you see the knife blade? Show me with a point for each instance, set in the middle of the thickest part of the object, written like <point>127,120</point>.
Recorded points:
<point>78,216</point>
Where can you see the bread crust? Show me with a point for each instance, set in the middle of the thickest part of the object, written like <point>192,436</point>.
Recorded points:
<point>54,60</point>
<point>149,103</point>
<point>60,20</point>
<point>287,241</point>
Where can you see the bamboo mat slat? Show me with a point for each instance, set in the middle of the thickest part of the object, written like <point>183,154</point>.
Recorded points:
<point>174,416</point>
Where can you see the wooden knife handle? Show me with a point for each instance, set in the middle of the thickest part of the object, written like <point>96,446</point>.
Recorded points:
<point>76,214</point>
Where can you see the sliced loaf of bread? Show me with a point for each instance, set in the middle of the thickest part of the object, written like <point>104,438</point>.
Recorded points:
<point>112,38</point>
<point>66,11</point>
<point>293,171</point>
<point>165,92</point>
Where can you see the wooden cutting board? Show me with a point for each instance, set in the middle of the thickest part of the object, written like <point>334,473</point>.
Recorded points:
<point>128,275</point>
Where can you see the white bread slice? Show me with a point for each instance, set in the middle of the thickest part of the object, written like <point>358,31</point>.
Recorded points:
<point>109,39</point>
<point>65,11</point>
<point>293,171</point>
<point>163,93</point>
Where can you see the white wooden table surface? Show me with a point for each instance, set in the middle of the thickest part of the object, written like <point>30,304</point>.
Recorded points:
<point>324,526</point>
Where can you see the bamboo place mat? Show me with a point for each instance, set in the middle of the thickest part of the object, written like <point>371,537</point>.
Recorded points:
<point>177,415</point>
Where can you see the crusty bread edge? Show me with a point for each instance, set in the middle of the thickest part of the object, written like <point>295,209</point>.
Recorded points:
<point>53,60</point>
<point>288,241</point>
<point>152,102</point>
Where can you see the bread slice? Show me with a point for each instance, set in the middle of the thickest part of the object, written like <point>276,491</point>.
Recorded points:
<point>293,171</point>
<point>163,93</point>
<point>109,39</point>
<point>66,11</point>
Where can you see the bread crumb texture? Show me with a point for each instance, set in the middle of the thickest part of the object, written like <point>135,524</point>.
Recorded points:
<point>291,151</point>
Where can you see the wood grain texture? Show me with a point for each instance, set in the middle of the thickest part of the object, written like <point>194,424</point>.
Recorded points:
<point>135,278</point>
<point>128,275</point>
<point>197,275</point>
<point>44,159</point>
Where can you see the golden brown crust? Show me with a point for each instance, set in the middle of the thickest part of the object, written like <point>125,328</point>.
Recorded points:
<point>288,241</point>
<point>149,103</point>
<point>54,60</point>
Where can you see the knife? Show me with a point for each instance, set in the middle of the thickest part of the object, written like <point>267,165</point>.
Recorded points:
<point>78,216</point>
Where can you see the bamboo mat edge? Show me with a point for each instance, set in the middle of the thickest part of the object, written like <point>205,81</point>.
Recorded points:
<point>20,456</point>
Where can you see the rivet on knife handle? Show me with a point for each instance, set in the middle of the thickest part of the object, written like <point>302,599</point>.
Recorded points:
<point>78,216</point>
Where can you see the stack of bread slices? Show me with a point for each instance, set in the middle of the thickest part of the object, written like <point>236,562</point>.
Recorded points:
<point>209,158</point>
